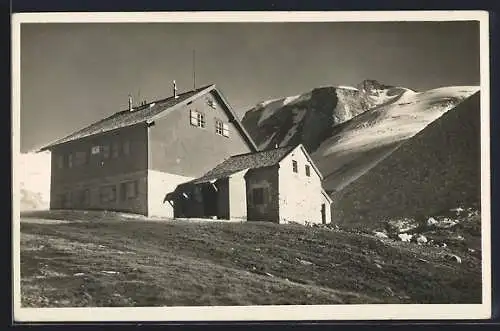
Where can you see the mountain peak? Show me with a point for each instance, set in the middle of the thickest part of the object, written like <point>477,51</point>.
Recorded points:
<point>372,84</point>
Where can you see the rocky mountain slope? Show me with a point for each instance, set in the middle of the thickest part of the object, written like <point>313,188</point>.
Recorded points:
<point>436,170</point>
<point>33,171</point>
<point>290,120</point>
<point>348,130</point>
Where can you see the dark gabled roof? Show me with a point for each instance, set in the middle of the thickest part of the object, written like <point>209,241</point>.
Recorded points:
<point>150,112</point>
<point>241,162</point>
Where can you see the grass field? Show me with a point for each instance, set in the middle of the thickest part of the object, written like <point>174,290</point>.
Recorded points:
<point>96,259</point>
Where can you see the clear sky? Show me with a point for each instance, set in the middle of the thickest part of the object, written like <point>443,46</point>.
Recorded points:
<point>76,74</point>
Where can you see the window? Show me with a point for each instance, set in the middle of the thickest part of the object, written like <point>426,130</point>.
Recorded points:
<point>308,170</point>
<point>105,151</point>
<point>65,200</point>
<point>115,150</point>
<point>95,150</point>
<point>129,190</point>
<point>221,128</point>
<point>126,147</point>
<point>218,127</point>
<point>294,166</point>
<point>70,160</point>
<point>197,119</point>
<point>60,161</point>
<point>258,196</point>
<point>80,158</point>
<point>84,197</point>
<point>108,193</point>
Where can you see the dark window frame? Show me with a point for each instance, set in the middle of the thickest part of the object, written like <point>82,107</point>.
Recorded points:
<point>295,166</point>
<point>308,170</point>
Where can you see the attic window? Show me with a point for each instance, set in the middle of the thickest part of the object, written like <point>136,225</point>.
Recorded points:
<point>295,166</point>
<point>308,170</point>
<point>211,103</point>
<point>197,119</point>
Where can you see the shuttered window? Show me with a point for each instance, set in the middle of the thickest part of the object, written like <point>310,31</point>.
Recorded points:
<point>115,149</point>
<point>105,151</point>
<point>81,158</point>
<point>197,119</point>
<point>295,166</point>
<point>60,161</point>
<point>126,147</point>
<point>129,190</point>
<point>108,193</point>
<point>225,129</point>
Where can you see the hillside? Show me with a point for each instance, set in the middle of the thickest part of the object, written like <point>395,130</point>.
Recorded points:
<point>92,259</point>
<point>349,130</point>
<point>435,171</point>
<point>34,178</point>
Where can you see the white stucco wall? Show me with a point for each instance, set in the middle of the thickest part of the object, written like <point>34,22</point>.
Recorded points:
<point>300,196</point>
<point>159,185</point>
<point>237,196</point>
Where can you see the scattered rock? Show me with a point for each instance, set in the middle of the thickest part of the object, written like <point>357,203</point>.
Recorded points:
<point>405,237</point>
<point>471,250</point>
<point>421,240</point>
<point>110,272</point>
<point>378,265</point>
<point>423,260</point>
<point>380,235</point>
<point>453,257</point>
<point>402,225</point>
<point>431,221</point>
<point>79,274</point>
<point>268,274</point>
<point>304,262</point>
<point>444,245</point>
<point>389,291</point>
<point>457,210</point>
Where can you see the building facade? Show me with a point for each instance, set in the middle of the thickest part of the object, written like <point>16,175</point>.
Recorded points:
<point>280,185</point>
<point>129,161</point>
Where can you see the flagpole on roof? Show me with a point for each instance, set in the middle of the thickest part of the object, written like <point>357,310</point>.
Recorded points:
<point>194,70</point>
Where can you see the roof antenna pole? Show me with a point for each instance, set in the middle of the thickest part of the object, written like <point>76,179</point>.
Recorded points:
<point>194,70</point>
<point>130,106</point>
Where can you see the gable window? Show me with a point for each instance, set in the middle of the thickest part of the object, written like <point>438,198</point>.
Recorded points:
<point>295,166</point>
<point>126,147</point>
<point>70,160</point>
<point>60,161</point>
<point>259,196</point>
<point>308,170</point>
<point>80,158</point>
<point>107,193</point>
<point>197,119</point>
<point>115,150</point>
<point>129,190</point>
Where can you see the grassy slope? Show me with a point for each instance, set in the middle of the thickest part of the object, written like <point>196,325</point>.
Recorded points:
<point>215,263</point>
